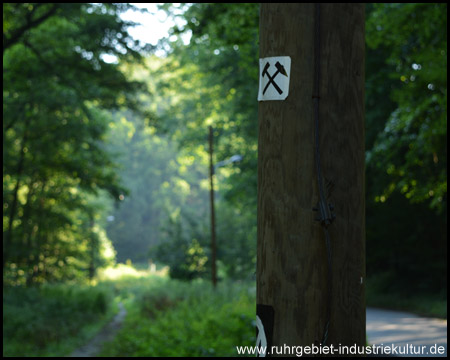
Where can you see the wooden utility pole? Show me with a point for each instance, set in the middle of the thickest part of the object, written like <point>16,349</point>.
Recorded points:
<point>93,247</point>
<point>301,299</point>
<point>213,218</point>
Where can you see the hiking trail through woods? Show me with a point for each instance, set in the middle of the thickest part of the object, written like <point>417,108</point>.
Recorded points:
<point>93,347</point>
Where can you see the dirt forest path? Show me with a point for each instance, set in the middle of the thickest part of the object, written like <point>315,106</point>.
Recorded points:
<point>93,347</point>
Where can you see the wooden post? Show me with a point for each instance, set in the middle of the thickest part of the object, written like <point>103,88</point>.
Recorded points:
<point>93,246</point>
<point>213,219</point>
<point>292,271</point>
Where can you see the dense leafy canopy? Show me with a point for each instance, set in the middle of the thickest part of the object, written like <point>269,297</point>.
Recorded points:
<point>406,123</point>
<point>105,157</point>
<point>212,81</point>
<point>56,86</point>
<point>76,128</point>
<point>412,146</point>
<point>406,144</point>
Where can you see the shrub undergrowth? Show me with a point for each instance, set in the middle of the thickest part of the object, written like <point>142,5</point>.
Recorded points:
<point>53,319</point>
<point>187,319</point>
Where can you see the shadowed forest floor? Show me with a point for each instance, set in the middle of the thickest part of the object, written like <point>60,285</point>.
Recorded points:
<point>93,347</point>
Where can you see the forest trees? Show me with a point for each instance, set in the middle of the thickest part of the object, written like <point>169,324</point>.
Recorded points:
<point>56,86</point>
<point>412,146</point>
<point>60,98</point>
<point>213,81</point>
<point>406,124</point>
<point>406,145</point>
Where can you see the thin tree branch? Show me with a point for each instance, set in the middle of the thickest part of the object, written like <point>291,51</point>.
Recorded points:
<point>30,23</point>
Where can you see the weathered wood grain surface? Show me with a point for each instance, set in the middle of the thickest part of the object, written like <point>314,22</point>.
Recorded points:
<point>291,265</point>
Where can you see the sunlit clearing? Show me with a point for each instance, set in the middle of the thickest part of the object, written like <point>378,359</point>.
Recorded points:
<point>121,270</point>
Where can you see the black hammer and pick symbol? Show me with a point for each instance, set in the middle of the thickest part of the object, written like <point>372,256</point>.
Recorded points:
<point>280,70</point>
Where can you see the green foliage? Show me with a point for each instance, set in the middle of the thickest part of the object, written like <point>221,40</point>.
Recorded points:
<point>147,166</point>
<point>168,207</point>
<point>216,78</point>
<point>182,319</point>
<point>211,81</point>
<point>182,252</point>
<point>161,182</point>
<point>73,135</point>
<point>236,234</point>
<point>56,86</point>
<point>382,291</point>
<point>187,244</point>
<point>412,147</point>
<point>50,321</point>
<point>406,145</point>
<point>165,317</point>
<point>410,250</point>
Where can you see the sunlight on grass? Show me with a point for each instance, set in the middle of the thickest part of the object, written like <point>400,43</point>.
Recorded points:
<point>168,317</point>
<point>124,270</point>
